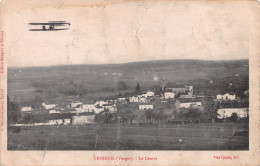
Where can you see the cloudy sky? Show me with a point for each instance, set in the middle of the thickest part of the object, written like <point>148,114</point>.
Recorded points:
<point>130,31</point>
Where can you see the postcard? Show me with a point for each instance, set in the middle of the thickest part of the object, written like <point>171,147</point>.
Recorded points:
<point>138,82</point>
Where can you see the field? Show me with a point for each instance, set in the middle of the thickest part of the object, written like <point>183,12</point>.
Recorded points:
<point>218,136</point>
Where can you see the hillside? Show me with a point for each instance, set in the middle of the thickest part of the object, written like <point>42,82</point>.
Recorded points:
<point>94,81</point>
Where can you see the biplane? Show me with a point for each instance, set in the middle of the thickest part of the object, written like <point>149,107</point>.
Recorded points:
<point>49,26</point>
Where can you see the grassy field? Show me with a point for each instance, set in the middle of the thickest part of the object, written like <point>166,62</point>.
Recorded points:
<point>218,136</point>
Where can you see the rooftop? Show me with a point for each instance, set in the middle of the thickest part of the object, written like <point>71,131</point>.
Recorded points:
<point>107,104</point>
<point>188,100</point>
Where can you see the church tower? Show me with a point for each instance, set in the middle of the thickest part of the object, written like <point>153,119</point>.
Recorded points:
<point>163,83</point>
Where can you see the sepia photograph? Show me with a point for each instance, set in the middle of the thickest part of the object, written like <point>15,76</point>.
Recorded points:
<point>151,105</point>
<point>139,80</point>
<point>129,82</point>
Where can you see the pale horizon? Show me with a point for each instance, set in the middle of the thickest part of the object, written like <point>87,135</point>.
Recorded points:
<point>13,67</point>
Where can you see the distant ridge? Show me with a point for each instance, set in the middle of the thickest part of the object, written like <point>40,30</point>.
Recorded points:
<point>138,63</point>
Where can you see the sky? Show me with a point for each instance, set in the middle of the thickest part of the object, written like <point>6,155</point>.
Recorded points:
<point>130,31</point>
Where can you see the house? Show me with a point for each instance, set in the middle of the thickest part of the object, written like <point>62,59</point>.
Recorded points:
<point>26,108</point>
<point>114,101</point>
<point>200,95</point>
<point>82,120</point>
<point>49,106</point>
<point>54,112</point>
<point>144,100</point>
<point>87,107</point>
<point>143,95</point>
<point>145,106</point>
<point>74,104</point>
<point>164,101</point>
<point>226,96</point>
<point>219,97</point>
<point>169,95</point>
<point>98,109</point>
<point>110,107</point>
<point>121,99</point>
<point>79,108</point>
<point>110,101</point>
<point>133,99</point>
<point>66,121</point>
<point>227,112</point>
<point>49,122</point>
<point>54,122</point>
<point>177,90</point>
<point>187,95</point>
<point>149,94</point>
<point>189,88</point>
<point>187,103</point>
<point>182,90</point>
<point>100,103</point>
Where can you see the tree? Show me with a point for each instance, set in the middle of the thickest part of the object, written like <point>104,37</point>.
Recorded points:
<point>149,114</point>
<point>108,118</point>
<point>99,118</point>
<point>213,108</point>
<point>192,114</point>
<point>119,94</point>
<point>28,118</point>
<point>233,117</point>
<point>160,115</point>
<point>127,112</point>
<point>13,112</point>
<point>178,95</point>
<point>138,88</point>
<point>121,85</point>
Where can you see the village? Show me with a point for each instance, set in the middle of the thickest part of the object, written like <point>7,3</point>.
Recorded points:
<point>161,105</point>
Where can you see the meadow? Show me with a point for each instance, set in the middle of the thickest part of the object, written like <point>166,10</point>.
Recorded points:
<point>217,136</point>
